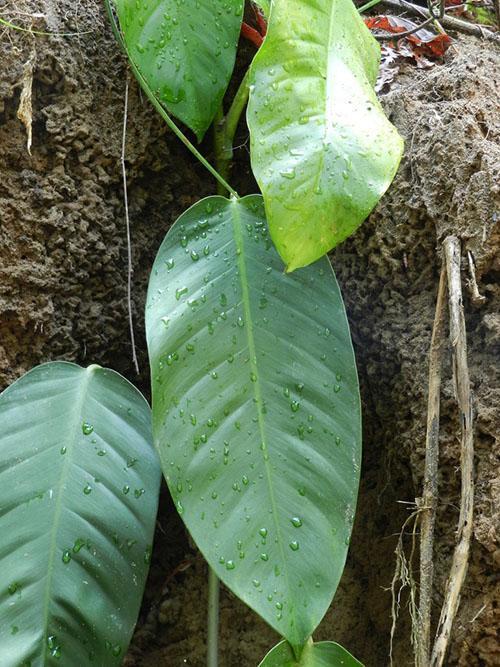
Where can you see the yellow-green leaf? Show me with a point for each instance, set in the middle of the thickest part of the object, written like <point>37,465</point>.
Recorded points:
<point>322,150</point>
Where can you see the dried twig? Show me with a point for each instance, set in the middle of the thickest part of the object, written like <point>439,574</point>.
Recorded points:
<point>430,494</point>
<point>477,298</point>
<point>127,222</point>
<point>463,396</point>
<point>449,22</point>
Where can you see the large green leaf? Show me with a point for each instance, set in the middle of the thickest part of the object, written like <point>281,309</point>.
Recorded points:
<point>255,410</point>
<point>322,150</point>
<point>322,654</point>
<point>185,50</point>
<point>79,483</point>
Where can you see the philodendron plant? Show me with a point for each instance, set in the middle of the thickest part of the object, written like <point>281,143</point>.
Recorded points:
<point>255,400</point>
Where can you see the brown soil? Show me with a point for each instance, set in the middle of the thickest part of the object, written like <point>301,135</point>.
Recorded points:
<point>63,296</point>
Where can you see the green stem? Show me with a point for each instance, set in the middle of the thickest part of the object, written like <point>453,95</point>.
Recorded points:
<point>213,619</point>
<point>159,108</point>
<point>237,107</point>
<point>368,6</point>
<point>225,127</point>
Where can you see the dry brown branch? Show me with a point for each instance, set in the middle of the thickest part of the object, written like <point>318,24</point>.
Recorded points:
<point>463,396</point>
<point>430,492</point>
<point>449,22</point>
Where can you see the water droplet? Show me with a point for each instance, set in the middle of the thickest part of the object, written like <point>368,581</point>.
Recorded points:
<point>87,428</point>
<point>139,492</point>
<point>14,587</point>
<point>264,557</point>
<point>66,557</point>
<point>126,489</point>
<point>147,555</point>
<point>296,521</point>
<point>180,291</point>
<point>53,646</point>
<point>79,543</point>
<point>230,565</point>
<point>256,583</point>
<point>87,489</point>
<point>294,406</point>
<point>294,545</point>
<point>194,256</point>
<point>63,450</point>
<point>240,322</point>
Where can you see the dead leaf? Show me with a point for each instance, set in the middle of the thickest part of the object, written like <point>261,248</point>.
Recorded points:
<point>25,109</point>
<point>424,42</point>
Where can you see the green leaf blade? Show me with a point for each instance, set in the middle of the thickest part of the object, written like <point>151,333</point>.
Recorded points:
<point>185,51</point>
<point>255,410</point>
<point>322,150</point>
<point>79,484</point>
<point>321,654</point>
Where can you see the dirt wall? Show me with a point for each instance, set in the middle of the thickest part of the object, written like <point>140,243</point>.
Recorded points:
<point>63,275</point>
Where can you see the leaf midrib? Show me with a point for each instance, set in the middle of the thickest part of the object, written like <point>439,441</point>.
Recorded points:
<point>58,508</point>
<point>239,242</point>
<point>328,85</point>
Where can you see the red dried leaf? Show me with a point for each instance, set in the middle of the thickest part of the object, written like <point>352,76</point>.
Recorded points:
<point>251,34</point>
<point>424,42</point>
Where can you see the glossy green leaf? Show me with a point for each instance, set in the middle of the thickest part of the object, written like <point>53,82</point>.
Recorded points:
<point>185,50</point>
<point>256,410</point>
<point>322,150</point>
<point>322,654</point>
<point>79,483</point>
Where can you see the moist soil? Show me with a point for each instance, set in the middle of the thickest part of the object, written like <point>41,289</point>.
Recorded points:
<point>63,277</point>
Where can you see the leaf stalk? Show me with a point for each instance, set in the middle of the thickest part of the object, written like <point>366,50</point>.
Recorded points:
<point>160,109</point>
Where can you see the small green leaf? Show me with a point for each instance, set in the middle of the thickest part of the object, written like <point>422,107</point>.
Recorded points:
<point>185,51</point>
<point>322,150</point>
<point>79,484</point>
<point>256,410</point>
<point>322,654</point>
